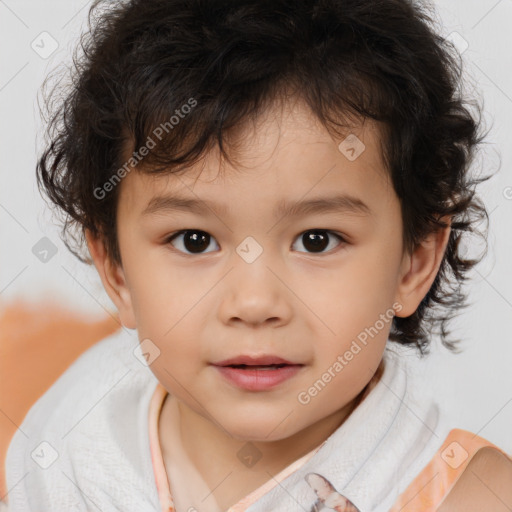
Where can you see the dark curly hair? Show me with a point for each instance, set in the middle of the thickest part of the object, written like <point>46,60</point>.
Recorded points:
<point>141,61</point>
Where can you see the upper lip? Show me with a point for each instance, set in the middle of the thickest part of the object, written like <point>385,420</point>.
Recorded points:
<point>263,360</point>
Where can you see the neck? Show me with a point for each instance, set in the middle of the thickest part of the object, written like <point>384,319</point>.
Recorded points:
<point>204,442</point>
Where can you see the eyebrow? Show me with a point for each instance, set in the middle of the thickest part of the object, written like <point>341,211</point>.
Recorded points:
<point>343,203</point>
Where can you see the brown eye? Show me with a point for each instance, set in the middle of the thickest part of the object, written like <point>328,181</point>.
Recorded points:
<point>317,240</point>
<point>193,241</point>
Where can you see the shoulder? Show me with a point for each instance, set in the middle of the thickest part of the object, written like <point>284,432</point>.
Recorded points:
<point>485,484</point>
<point>92,372</point>
<point>74,424</point>
<point>466,473</point>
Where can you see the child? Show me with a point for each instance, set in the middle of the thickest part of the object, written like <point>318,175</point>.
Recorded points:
<point>256,373</point>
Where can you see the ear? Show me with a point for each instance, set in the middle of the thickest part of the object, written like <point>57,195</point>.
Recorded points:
<point>113,279</point>
<point>420,268</point>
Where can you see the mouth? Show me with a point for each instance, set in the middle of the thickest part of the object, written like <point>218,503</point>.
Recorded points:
<point>257,373</point>
<point>253,361</point>
<point>257,367</point>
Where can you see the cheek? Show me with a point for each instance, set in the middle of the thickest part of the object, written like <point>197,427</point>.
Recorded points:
<point>350,302</point>
<point>359,317</point>
<point>370,280</point>
<point>334,388</point>
<point>349,360</point>
<point>162,293</point>
<point>167,307</point>
<point>179,358</point>
<point>168,320</point>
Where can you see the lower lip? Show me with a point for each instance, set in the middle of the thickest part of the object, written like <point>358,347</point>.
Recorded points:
<point>258,380</point>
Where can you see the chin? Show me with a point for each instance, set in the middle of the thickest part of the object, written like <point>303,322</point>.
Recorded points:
<point>260,429</point>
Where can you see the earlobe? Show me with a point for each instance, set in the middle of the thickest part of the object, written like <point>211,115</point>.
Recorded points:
<point>420,268</point>
<point>113,279</point>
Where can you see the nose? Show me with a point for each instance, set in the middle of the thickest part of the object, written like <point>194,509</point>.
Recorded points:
<point>254,294</point>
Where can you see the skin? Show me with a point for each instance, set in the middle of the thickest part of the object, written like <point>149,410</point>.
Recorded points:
<point>292,302</point>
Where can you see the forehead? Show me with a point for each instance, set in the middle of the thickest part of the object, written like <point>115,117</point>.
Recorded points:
<point>285,156</point>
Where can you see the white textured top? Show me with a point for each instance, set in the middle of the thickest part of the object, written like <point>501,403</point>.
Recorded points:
<point>84,445</point>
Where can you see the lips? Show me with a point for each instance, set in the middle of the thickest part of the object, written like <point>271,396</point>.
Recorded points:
<point>247,360</point>
<point>257,373</point>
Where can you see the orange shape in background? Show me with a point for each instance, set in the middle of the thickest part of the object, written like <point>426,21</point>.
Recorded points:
<point>37,343</point>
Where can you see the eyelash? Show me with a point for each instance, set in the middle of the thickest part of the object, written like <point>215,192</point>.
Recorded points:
<point>174,235</point>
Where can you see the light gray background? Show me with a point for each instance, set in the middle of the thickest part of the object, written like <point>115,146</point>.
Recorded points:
<point>475,387</point>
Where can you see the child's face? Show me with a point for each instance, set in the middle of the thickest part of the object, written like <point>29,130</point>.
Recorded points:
<point>205,300</point>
